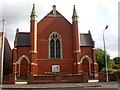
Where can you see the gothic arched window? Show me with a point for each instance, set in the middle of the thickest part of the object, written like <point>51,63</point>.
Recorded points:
<point>55,45</point>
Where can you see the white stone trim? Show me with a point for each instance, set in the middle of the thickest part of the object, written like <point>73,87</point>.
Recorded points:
<point>14,48</point>
<point>76,51</point>
<point>33,63</point>
<point>78,63</point>
<point>60,39</point>
<point>94,48</point>
<point>19,62</point>
<point>95,63</point>
<point>89,60</point>
<point>21,58</point>
<point>35,37</point>
<point>34,18</point>
<point>32,51</point>
<point>14,63</point>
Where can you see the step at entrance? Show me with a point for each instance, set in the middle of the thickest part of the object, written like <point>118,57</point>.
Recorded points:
<point>93,81</point>
<point>21,81</point>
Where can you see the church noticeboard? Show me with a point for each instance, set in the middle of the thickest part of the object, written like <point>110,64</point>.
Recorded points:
<point>55,68</point>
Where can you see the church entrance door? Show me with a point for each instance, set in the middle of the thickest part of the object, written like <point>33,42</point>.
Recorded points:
<point>23,68</point>
<point>85,66</point>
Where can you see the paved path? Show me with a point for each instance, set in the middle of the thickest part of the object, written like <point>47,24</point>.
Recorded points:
<point>65,85</point>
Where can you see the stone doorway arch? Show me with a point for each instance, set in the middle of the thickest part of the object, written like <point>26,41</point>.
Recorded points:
<point>86,64</point>
<point>23,63</point>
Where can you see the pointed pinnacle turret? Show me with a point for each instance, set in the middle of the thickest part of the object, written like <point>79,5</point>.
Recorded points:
<point>54,10</point>
<point>33,10</point>
<point>90,35</point>
<point>33,13</point>
<point>17,30</point>
<point>74,17</point>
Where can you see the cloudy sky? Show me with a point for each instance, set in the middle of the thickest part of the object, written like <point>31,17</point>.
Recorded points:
<point>94,15</point>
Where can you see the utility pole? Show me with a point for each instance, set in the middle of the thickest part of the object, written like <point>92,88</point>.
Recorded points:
<point>2,51</point>
<point>105,56</point>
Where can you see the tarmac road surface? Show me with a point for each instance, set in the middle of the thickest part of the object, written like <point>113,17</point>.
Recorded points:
<point>65,86</point>
<point>67,89</point>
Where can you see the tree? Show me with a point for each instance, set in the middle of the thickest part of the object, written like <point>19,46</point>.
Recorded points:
<point>117,64</point>
<point>117,60</point>
<point>111,64</point>
<point>100,59</point>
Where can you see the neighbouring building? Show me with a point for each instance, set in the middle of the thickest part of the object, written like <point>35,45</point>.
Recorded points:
<point>54,45</point>
<point>7,59</point>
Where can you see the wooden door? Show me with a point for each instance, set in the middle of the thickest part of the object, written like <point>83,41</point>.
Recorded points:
<point>85,66</point>
<point>23,68</point>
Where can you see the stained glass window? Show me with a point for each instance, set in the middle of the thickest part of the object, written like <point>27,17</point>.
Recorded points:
<point>55,46</point>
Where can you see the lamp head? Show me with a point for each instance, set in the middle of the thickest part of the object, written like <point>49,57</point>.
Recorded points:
<point>106,27</point>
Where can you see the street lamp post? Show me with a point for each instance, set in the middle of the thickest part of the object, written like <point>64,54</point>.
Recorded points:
<point>2,51</point>
<point>105,56</point>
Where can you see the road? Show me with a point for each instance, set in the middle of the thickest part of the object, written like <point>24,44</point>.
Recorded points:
<point>67,89</point>
<point>65,86</point>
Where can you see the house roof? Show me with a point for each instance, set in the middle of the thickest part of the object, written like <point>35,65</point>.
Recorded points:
<point>86,40</point>
<point>23,39</point>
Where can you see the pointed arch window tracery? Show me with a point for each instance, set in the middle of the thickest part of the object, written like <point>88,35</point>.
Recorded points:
<point>55,46</point>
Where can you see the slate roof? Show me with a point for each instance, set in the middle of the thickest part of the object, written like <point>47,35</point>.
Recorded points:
<point>86,40</point>
<point>23,39</point>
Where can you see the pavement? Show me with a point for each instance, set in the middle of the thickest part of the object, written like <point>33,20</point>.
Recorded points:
<point>24,85</point>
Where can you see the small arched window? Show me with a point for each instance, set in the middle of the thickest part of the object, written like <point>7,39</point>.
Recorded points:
<point>55,45</point>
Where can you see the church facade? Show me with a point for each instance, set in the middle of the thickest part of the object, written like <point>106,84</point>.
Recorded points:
<point>54,45</point>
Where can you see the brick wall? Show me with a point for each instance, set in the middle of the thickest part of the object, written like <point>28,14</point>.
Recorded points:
<point>57,78</point>
<point>45,27</point>
<point>46,66</point>
<point>112,77</point>
<point>9,79</point>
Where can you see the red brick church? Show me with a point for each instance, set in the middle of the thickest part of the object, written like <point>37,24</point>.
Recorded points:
<point>54,45</point>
